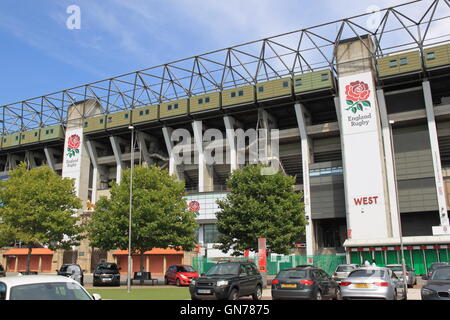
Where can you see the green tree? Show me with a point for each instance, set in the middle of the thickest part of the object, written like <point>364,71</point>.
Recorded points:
<point>260,206</point>
<point>159,215</point>
<point>38,207</point>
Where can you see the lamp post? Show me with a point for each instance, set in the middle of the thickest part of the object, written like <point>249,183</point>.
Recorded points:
<point>129,216</point>
<point>391,122</point>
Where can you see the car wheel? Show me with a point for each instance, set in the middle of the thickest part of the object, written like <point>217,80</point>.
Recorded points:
<point>233,295</point>
<point>258,293</point>
<point>166,281</point>
<point>395,295</point>
<point>318,295</point>
<point>178,282</point>
<point>338,295</point>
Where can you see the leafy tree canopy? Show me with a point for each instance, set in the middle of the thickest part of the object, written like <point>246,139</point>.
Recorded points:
<point>159,215</point>
<point>260,206</point>
<point>38,207</point>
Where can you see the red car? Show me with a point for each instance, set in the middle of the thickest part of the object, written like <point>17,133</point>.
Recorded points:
<point>180,274</point>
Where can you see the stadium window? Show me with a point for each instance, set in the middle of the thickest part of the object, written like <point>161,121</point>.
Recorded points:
<point>101,121</point>
<point>285,84</point>
<point>125,115</point>
<point>431,56</point>
<point>23,136</point>
<point>4,139</point>
<point>147,111</point>
<point>51,130</point>
<point>169,107</point>
<point>241,93</point>
<point>403,61</point>
<point>261,89</point>
<point>207,100</point>
<point>141,113</point>
<point>200,101</point>
<point>392,63</point>
<point>175,106</point>
<point>17,137</point>
<point>109,119</point>
<point>35,134</point>
<point>298,82</point>
<point>324,76</point>
<point>85,125</point>
<point>46,131</point>
<point>233,94</point>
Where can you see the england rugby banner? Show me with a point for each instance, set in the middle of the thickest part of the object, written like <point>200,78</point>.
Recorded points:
<point>72,156</point>
<point>364,175</point>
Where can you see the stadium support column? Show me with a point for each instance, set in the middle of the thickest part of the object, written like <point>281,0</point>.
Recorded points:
<point>306,160</point>
<point>205,174</point>
<point>390,168</point>
<point>173,166</point>
<point>115,144</point>
<point>93,156</point>
<point>443,214</point>
<point>366,191</point>
<point>230,125</point>
<point>50,156</point>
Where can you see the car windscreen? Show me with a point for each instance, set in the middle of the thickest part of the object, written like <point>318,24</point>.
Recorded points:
<point>345,268</point>
<point>185,269</point>
<point>107,266</point>
<point>442,274</point>
<point>71,269</point>
<point>224,269</point>
<point>434,266</point>
<point>367,274</point>
<point>49,291</point>
<point>292,274</point>
<point>397,268</point>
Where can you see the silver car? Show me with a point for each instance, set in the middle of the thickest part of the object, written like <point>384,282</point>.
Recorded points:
<point>343,270</point>
<point>411,280</point>
<point>372,283</point>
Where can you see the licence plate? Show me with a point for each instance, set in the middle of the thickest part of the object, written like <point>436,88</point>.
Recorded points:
<point>288,285</point>
<point>361,285</point>
<point>203,291</point>
<point>106,279</point>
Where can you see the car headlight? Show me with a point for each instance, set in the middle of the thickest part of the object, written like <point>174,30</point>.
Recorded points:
<point>182,276</point>
<point>427,292</point>
<point>193,282</point>
<point>222,283</point>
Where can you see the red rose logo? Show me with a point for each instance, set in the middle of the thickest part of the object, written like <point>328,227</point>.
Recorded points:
<point>357,94</point>
<point>74,141</point>
<point>73,144</point>
<point>194,206</point>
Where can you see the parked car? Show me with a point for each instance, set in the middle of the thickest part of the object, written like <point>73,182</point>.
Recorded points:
<point>43,287</point>
<point>106,273</point>
<point>228,280</point>
<point>180,275</point>
<point>73,271</point>
<point>434,266</point>
<point>373,283</point>
<point>2,271</point>
<point>343,270</point>
<point>438,286</point>
<point>304,283</point>
<point>411,279</point>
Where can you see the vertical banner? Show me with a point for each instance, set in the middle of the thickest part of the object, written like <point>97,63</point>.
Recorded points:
<point>72,156</point>
<point>262,259</point>
<point>364,174</point>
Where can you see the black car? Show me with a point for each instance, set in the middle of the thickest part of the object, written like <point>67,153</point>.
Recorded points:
<point>73,271</point>
<point>2,271</point>
<point>438,285</point>
<point>304,282</point>
<point>106,273</point>
<point>433,267</point>
<point>228,280</point>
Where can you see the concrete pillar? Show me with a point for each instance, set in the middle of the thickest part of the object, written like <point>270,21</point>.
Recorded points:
<point>93,157</point>
<point>440,189</point>
<point>230,124</point>
<point>390,165</point>
<point>174,168</point>
<point>117,156</point>
<point>368,210</point>
<point>49,155</point>
<point>306,160</point>
<point>40,264</point>
<point>205,174</point>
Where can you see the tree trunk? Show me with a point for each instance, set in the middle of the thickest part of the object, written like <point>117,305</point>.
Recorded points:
<point>142,267</point>
<point>30,247</point>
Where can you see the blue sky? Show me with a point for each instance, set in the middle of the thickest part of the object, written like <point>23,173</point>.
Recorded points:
<point>41,55</point>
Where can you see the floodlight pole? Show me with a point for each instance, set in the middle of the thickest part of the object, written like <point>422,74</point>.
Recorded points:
<point>131,203</point>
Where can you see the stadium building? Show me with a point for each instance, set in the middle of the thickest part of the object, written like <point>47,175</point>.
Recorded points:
<point>362,109</point>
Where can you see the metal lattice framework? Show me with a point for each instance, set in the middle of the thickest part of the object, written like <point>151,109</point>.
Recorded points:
<point>410,26</point>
